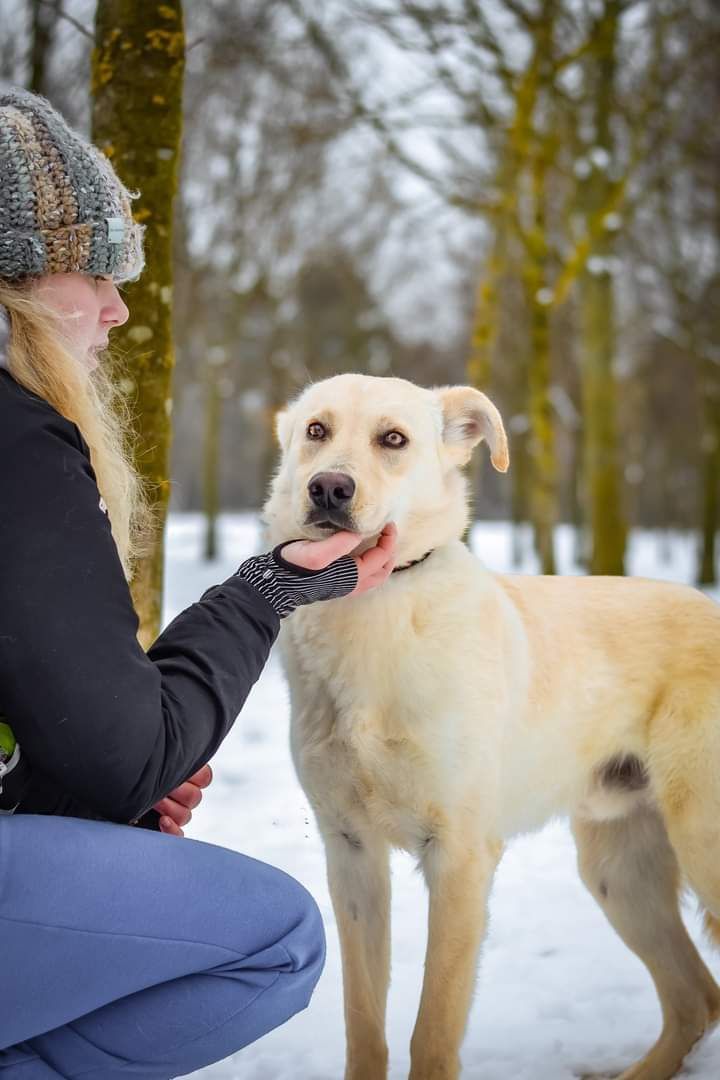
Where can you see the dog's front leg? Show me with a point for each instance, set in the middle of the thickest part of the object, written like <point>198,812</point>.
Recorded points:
<point>459,872</point>
<point>359,880</point>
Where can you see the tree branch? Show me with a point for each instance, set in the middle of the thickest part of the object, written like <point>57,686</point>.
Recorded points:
<point>56,5</point>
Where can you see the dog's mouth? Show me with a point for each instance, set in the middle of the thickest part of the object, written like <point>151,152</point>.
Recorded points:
<point>331,521</point>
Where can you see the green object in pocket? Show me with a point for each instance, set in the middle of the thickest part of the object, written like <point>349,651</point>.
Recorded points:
<point>7,741</point>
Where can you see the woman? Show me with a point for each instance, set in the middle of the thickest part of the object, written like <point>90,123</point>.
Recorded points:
<point>124,952</point>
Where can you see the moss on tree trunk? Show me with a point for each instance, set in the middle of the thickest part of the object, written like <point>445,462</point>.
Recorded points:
<point>543,470</point>
<point>602,491</point>
<point>137,79</point>
<point>601,458</point>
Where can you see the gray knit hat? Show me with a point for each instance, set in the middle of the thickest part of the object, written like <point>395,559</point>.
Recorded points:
<point>62,208</point>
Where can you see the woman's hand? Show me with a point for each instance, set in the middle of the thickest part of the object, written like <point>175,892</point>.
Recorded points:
<point>176,808</point>
<point>374,566</point>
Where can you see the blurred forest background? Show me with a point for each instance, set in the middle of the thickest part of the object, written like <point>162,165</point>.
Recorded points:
<point>522,194</point>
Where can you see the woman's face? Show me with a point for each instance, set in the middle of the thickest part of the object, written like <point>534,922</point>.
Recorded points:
<point>89,308</point>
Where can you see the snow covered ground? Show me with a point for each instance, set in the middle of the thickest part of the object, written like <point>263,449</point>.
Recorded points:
<point>558,994</point>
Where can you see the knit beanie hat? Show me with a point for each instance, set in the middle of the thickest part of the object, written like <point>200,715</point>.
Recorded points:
<point>62,207</point>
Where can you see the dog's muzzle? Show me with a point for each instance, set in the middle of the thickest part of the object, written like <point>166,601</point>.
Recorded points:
<point>331,494</point>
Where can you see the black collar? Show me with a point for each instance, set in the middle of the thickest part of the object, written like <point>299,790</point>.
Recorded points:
<point>414,562</point>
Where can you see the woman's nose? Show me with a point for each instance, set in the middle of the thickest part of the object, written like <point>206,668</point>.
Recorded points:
<point>115,309</point>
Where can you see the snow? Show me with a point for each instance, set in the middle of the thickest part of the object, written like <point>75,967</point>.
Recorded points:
<point>558,993</point>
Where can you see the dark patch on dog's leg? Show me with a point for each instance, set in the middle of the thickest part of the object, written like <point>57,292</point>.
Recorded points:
<point>353,841</point>
<point>624,772</point>
<point>603,889</point>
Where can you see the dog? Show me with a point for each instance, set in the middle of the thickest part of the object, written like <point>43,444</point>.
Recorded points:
<point>452,708</point>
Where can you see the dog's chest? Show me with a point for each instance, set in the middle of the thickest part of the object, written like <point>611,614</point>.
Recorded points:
<point>389,699</point>
<point>381,775</point>
<point>388,757</point>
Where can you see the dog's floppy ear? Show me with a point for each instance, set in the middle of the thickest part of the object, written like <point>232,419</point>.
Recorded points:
<point>468,417</point>
<point>283,427</point>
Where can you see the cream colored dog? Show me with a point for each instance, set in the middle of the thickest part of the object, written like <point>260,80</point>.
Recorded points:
<point>452,708</point>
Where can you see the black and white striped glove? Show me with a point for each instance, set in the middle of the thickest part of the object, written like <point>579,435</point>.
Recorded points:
<point>286,586</point>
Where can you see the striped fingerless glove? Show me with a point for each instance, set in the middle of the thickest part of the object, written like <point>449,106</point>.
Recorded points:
<point>286,586</point>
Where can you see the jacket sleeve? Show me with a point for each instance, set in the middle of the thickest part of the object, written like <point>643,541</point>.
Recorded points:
<point>107,729</point>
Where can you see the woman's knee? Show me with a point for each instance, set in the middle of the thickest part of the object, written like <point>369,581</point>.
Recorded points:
<point>280,928</point>
<point>304,938</point>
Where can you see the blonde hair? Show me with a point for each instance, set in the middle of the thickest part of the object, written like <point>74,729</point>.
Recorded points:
<point>43,363</point>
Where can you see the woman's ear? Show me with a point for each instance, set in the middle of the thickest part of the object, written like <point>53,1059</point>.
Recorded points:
<point>468,417</point>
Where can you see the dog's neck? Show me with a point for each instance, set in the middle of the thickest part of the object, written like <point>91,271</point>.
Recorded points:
<point>413,562</point>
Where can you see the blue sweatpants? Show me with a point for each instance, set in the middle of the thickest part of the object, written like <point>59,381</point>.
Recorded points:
<point>131,953</point>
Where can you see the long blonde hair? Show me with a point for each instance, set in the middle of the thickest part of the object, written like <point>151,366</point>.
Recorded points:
<point>43,363</point>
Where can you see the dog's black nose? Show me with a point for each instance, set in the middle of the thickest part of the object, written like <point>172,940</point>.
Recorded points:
<point>331,490</point>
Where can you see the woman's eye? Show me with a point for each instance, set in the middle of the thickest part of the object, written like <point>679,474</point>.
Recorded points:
<point>316,431</point>
<point>394,439</point>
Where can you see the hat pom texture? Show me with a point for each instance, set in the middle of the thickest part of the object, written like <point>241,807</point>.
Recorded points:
<point>62,206</point>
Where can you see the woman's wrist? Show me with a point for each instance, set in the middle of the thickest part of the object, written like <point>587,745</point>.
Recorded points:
<point>286,585</point>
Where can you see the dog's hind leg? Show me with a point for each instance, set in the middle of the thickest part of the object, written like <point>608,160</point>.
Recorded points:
<point>697,846</point>
<point>686,773</point>
<point>459,873</point>
<point>632,871</point>
<point>359,881</point>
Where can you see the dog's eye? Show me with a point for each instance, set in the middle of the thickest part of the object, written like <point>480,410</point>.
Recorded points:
<point>393,439</point>
<point>316,431</point>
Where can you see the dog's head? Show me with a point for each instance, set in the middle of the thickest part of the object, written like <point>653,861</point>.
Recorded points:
<point>359,451</point>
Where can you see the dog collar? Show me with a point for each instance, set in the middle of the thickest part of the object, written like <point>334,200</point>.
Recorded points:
<point>414,562</point>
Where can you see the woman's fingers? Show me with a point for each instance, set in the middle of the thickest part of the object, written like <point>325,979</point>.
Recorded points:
<point>388,536</point>
<point>374,581</point>
<point>176,808</point>
<point>376,564</point>
<point>167,825</point>
<point>202,778</point>
<point>317,554</point>
<point>376,557</point>
<point>188,794</point>
<point>179,812</point>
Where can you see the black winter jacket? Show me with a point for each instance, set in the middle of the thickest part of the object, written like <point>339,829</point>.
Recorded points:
<point>105,729</point>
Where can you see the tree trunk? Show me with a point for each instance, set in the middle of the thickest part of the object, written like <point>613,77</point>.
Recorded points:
<point>278,390</point>
<point>600,453</point>
<point>533,141</point>
<point>137,78</point>
<point>575,471</point>
<point>486,320</point>
<point>543,469</point>
<point>601,459</point>
<point>520,497</point>
<point>44,19</point>
<point>211,460</point>
<point>710,448</point>
<point>541,443</point>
